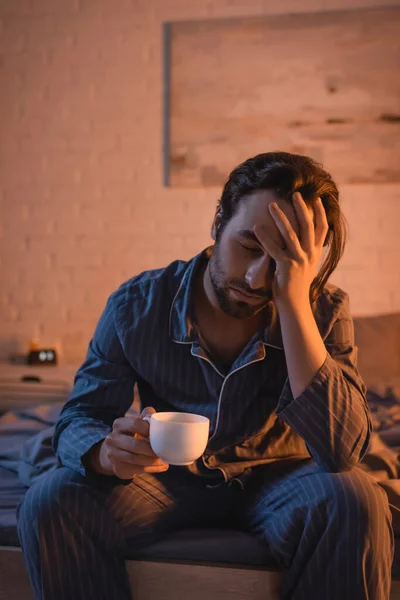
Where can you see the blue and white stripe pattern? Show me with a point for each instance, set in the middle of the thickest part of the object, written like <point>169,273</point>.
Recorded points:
<point>146,336</point>
<point>290,462</point>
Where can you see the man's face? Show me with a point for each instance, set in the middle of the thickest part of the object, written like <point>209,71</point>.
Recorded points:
<point>239,264</point>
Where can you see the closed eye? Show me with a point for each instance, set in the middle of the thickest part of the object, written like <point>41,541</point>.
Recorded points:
<point>252,249</point>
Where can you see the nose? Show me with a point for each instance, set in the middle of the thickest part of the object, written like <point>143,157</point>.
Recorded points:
<point>256,275</point>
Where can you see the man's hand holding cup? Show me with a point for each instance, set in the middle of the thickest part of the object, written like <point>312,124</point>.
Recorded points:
<point>126,451</point>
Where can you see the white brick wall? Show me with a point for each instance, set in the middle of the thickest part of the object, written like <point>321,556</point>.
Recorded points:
<point>82,202</point>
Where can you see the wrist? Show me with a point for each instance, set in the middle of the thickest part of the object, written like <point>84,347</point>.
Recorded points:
<point>293,305</point>
<point>95,460</point>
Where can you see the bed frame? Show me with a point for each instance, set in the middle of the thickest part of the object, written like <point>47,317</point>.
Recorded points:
<point>163,579</point>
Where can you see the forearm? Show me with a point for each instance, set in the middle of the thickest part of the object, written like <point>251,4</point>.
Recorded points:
<point>324,397</point>
<point>304,348</point>
<point>331,415</point>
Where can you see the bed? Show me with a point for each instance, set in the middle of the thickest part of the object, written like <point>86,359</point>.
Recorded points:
<point>222,564</point>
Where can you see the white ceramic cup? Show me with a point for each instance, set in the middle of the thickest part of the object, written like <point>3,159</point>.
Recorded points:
<point>178,438</point>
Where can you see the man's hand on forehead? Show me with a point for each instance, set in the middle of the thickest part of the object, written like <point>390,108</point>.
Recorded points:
<point>297,260</point>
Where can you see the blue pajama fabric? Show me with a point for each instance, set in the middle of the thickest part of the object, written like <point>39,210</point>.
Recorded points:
<point>331,532</point>
<point>283,468</point>
<point>76,531</point>
<point>147,335</point>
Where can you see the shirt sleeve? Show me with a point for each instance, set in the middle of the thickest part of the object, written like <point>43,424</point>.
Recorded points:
<point>102,392</point>
<point>332,414</point>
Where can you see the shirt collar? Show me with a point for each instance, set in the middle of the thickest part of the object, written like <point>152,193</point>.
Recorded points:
<point>181,328</point>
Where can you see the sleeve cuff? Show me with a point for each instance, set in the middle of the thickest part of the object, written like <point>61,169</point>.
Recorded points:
<point>317,387</point>
<point>72,448</point>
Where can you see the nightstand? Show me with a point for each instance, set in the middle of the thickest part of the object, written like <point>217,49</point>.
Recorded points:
<point>29,385</point>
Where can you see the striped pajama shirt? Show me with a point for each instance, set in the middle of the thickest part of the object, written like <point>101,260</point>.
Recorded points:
<point>280,467</point>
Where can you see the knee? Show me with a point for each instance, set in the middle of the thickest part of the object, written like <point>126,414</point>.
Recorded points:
<point>56,490</point>
<point>353,496</point>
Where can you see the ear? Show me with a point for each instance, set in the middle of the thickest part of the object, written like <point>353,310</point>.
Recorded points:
<point>216,224</point>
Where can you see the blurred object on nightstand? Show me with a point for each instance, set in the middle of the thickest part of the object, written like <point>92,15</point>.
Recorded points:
<point>43,356</point>
<point>40,356</point>
<point>35,355</point>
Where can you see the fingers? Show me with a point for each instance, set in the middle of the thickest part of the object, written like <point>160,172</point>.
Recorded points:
<point>314,227</point>
<point>129,444</point>
<point>127,471</point>
<point>288,233</point>
<point>321,223</point>
<point>131,425</point>
<point>306,223</point>
<point>116,456</point>
<point>271,247</point>
<point>128,449</point>
<point>131,456</point>
<point>147,412</point>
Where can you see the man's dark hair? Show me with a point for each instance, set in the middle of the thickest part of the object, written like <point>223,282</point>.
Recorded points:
<point>285,174</point>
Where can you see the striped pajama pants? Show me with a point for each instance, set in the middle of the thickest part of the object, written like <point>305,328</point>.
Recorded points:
<point>331,531</point>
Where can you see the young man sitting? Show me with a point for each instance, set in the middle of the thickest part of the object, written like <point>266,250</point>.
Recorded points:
<point>249,334</point>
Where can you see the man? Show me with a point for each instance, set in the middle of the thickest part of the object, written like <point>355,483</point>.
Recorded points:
<point>249,334</point>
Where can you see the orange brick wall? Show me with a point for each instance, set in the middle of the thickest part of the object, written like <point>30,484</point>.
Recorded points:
<point>82,203</point>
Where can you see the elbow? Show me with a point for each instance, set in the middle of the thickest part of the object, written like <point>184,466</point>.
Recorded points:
<point>340,459</point>
<point>340,465</point>
<point>344,461</point>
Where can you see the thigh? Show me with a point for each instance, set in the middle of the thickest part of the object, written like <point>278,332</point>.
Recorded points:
<point>280,501</point>
<point>153,505</point>
<point>303,485</point>
<point>124,516</point>
<point>272,487</point>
